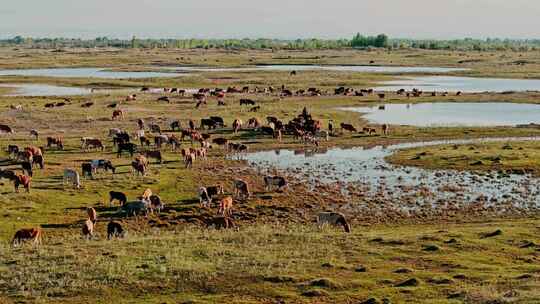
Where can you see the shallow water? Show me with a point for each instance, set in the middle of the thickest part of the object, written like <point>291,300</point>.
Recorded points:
<point>24,89</point>
<point>368,170</point>
<point>85,72</point>
<point>453,114</point>
<point>464,84</point>
<point>342,68</point>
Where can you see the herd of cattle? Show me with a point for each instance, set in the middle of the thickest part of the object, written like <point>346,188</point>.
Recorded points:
<point>303,127</point>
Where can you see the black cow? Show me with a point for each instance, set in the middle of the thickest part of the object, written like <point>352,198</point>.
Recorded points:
<point>27,167</point>
<point>114,229</point>
<point>128,147</point>
<point>119,196</point>
<point>247,102</point>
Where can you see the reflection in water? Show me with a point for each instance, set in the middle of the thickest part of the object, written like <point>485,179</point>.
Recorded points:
<point>367,169</point>
<point>44,90</point>
<point>464,84</point>
<point>84,72</point>
<point>453,114</point>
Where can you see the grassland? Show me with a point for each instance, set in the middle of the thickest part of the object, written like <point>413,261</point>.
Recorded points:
<point>278,255</point>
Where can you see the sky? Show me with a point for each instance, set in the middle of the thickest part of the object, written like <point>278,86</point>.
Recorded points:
<point>288,19</point>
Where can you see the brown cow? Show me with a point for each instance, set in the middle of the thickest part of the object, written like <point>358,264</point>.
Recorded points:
<point>117,114</point>
<point>31,234</point>
<point>88,228</point>
<point>220,222</point>
<point>156,154</point>
<point>57,141</point>
<point>348,127</point>
<point>23,180</point>
<point>237,125</point>
<point>90,143</point>
<point>225,206</point>
<point>92,215</point>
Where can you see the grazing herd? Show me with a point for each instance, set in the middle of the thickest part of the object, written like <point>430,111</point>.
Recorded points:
<point>303,127</point>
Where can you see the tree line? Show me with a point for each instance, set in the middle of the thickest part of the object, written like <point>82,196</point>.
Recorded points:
<point>358,41</point>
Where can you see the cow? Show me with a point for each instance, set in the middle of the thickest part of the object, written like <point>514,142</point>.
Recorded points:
<point>134,208</point>
<point>247,102</point>
<point>56,141</point>
<point>34,150</point>
<point>88,229</point>
<point>8,174</point>
<point>128,147</point>
<point>92,215</point>
<point>34,133</point>
<point>156,154</point>
<point>334,219</point>
<point>87,104</point>
<point>207,193</point>
<point>348,127</point>
<point>218,120</point>
<point>119,196</point>
<point>385,129</point>
<point>254,122</point>
<point>103,164</point>
<point>209,123</point>
<point>160,140</point>
<point>114,229</point>
<point>114,132</point>
<point>38,159</point>
<point>241,189</point>
<point>90,143</point>
<point>5,129</point>
<point>220,141</point>
<point>225,206</point>
<point>381,95</point>
<point>155,204</point>
<point>220,222</point>
<point>25,156</point>
<point>234,147</point>
<point>27,167</point>
<point>176,125</point>
<point>368,130</point>
<point>117,114</point>
<point>138,168</point>
<point>189,159</point>
<point>32,234</point>
<point>237,125</point>
<point>155,128</point>
<point>274,181</point>
<point>255,109</point>
<point>70,175</point>
<point>87,170</point>
<point>22,180</point>
<point>174,141</point>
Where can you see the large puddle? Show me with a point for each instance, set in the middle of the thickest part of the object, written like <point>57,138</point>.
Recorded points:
<point>464,84</point>
<point>403,188</point>
<point>85,72</point>
<point>452,114</point>
<point>339,68</point>
<point>23,89</point>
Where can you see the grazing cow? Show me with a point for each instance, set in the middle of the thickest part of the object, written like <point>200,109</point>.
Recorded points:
<point>38,159</point>
<point>189,159</point>
<point>220,222</point>
<point>138,168</point>
<point>32,234</point>
<point>8,174</point>
<point>25,156</point>
<point>134,208</point>
<point>458,93</point>
<point>206,194</point>
<point>160,140</point>
<point>381,95</point>
<point>27,167</point>
<point>225,206</point>
<point>118,114</point>
<point>119,196</point>
<point>87,105</point>
<point>254,122</point>
<point>128,147</point>
<point>5,129</point>
<point>70,175</point>
<point>155,128</point>
<point>385,129</point>
<point>255,109</point>
<point>23,180</point>
<point>274,181</point>
<point>34,133</point>
<point>114,229</point>
<point>369,131</point>
<point>88,229</point>
<point>209,123</point>
<point>247,102</point>
<point>87,170</point>
<point>144,141</point>
<point>56,141</point>
<point>286,93</point>
<point>220,141</point>
<point>176,125</point>
<point>140,123</point>
<point>237,125</point>
<point>102,164</point>
<point>234,147</point>
<point>34,150</point>
<point>334,219</point>
<point>154,154</point>
<point>49,105</point>
<point>348,127</point>
<point>241,189</point>
<point>155,204</point>
<point>91,143</point>
<point>92,215</point>
<point>267,130</point>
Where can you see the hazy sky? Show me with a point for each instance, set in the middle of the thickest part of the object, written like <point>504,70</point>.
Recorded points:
<point>273,18</point>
